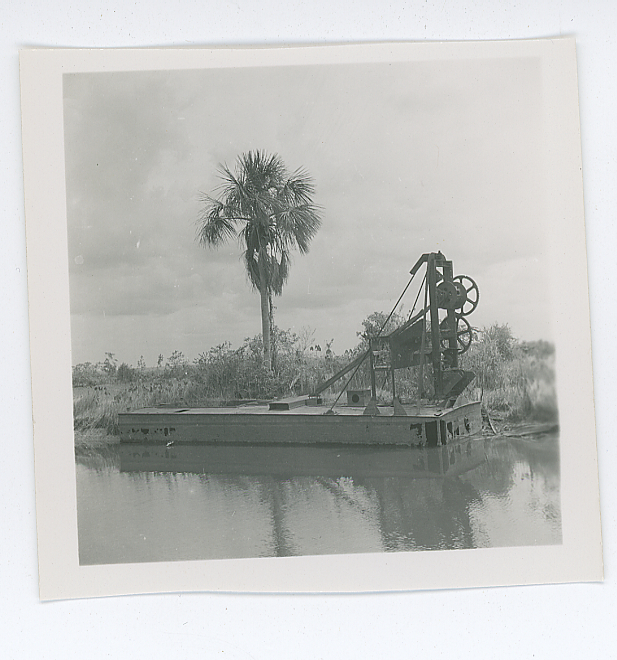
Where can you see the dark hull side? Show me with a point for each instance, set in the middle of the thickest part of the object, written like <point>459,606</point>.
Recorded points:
<point>155,426</point>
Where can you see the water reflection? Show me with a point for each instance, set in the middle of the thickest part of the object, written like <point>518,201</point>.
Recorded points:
<point>140,503</point>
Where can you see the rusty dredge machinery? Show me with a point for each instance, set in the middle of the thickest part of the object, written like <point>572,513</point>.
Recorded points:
<point>436,335</point>
<point>431,342</point>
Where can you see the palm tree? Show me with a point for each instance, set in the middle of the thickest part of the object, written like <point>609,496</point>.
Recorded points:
<point>271,212</point>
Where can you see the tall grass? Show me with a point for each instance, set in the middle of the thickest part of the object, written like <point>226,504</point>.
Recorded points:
<point>219,376</point>
<point>516,380</point>
<point>97,407</point>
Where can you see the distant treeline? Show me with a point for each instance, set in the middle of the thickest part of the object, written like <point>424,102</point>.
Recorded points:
<point>515,379</point>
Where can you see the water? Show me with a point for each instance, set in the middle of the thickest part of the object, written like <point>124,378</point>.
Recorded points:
<point>144,504</point>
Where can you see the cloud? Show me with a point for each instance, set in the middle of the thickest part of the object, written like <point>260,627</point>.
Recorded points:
<point>407,158</point>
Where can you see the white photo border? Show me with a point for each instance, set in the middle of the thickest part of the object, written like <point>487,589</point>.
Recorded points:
<point>577,559</point>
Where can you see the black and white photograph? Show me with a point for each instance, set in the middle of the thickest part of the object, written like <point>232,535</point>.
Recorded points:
<point>210,209</point>
<point>313,307</point>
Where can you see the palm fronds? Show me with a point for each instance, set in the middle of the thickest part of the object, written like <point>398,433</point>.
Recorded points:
<point>270,212</point>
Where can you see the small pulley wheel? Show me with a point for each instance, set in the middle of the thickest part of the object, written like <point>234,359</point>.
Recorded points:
<point>472,294</point>
<point>447,295</point>
<point>463,334</point>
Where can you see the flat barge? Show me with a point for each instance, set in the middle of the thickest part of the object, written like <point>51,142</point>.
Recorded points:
<point>430,341</point>
<point>305,425</point>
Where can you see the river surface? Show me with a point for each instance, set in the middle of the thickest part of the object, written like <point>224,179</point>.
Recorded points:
<point>143,504</point>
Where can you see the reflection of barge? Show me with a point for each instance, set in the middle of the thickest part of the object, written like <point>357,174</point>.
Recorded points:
<point>288,462</point>
<point>430,341</point>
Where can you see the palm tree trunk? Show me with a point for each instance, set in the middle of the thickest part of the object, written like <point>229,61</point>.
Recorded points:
<point>272,332</point>
<point>265,316</point>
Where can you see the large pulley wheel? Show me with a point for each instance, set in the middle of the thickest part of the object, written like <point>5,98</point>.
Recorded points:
<point>465,285</point>
<point>463,334</point>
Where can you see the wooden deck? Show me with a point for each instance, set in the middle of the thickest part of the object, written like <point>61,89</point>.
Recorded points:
<point>298,409</point>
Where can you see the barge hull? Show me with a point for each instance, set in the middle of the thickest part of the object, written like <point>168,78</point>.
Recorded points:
<point>308,426</point>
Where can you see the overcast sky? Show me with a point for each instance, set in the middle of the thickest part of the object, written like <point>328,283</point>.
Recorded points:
<point>407,158</point>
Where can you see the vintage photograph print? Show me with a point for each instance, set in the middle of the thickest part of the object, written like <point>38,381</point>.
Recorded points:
<point>313,304</point>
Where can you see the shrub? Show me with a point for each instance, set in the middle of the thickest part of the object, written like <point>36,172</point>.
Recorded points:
<point>516,380</point>
<point>126,374</point>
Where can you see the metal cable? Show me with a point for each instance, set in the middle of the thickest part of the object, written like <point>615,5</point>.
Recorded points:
<point>369,349</point>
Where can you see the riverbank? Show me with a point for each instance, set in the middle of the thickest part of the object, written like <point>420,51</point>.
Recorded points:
<point>96,442</point>
<point>93,441</point>
<point>514,380</point>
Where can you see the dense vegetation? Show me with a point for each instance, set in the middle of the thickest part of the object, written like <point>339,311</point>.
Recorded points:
<point>515,379</point>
